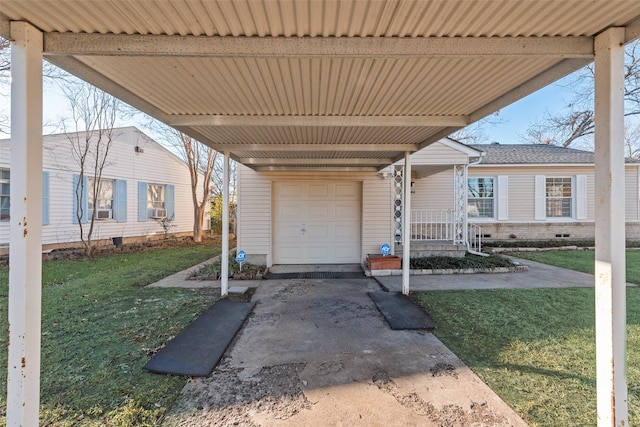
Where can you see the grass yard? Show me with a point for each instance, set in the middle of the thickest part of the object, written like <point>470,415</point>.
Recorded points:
<point>535,348</point>
<point>582,261</point>
<point>99,327</point>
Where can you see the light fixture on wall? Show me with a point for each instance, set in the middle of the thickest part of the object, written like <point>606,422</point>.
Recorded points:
<point>385,175</point>
<point>138,149</point>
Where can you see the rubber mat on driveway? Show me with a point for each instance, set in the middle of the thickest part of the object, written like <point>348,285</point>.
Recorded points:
<point>400,312</point>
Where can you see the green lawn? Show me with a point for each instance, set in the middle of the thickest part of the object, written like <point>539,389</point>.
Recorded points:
<point>582,261</point>
<point>99,327</point>
<point>536,347</point>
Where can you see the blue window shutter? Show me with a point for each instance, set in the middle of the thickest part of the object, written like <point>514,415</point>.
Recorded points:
<point>142,201</point>
<point>83,198</point>
<point>169,203</point>
<point>45,198</point>
<point>120,201</point>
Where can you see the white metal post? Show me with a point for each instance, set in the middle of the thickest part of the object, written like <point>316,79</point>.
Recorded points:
<point>406,224</point>
<point>224,259</point>
<point>610,233</point>
<point>25,242</point>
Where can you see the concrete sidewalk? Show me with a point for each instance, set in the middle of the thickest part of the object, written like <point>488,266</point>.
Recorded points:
<point>318,353</point>
<point>181,280</point>
<point>538,276</point>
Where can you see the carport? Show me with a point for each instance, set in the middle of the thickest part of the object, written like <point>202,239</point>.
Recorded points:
<point>352,85</point>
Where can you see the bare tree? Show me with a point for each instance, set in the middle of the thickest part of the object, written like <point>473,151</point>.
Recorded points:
<point>200,160</point>
<point>93,117</point>
<point>575,125</point>
<point>475,133</point>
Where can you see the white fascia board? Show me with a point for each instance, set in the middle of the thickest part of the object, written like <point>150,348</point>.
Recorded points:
<point>459,146</point>
<point>316,121</point>
<point>299,47</point>
<point>5,26</point>
<point>632,31</point>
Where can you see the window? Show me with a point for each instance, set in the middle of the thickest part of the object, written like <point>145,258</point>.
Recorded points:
<point>558,197</point>
<point>156,207</point>
<point>103,198</point>
<point>480,198</point>
<point>4,194</point>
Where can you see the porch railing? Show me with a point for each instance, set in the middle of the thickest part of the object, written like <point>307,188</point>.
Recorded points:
<point>432,224</point>
<point>474,239</point>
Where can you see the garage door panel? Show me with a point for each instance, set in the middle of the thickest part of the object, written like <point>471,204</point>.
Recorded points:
<point>317,222</point>
<point>287,191</point>
<point>347,252</point>
<point>346,190</point>
<point>289,210</point>
<point>319,210</point>
<point>318,254</point>
<point>347,211</point>
<point>318,190</point>
<point>318,231</point>
<point>346,231</point>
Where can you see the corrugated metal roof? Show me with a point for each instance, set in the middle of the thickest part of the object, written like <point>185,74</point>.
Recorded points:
<point>441,63</point>
<point>314,18</point>
<point>522,154</point>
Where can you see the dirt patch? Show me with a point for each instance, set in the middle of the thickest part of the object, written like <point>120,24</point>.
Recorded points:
<point>226,398</point>
<point>478,414</point>
<point>443,369</point>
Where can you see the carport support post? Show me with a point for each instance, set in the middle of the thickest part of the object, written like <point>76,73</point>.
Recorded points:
<point>224,259</point>
<point>25,240</point>
<point>610,278</point>
<point>406,223</point>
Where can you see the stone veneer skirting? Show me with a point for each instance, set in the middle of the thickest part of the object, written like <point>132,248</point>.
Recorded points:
<point>548,231</point>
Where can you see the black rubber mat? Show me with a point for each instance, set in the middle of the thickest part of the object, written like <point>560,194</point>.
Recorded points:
<point>400,312</point>
<point>316,275</point>
<point>198,349</point>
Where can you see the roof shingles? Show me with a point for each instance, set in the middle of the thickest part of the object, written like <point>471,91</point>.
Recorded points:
<point>521,154</point>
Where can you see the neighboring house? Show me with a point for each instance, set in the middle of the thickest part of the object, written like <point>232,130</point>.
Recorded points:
<point>142,183</point>
<point>460,195</point>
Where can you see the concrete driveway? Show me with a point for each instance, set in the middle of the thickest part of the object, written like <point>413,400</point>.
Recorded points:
<point>318,353</point>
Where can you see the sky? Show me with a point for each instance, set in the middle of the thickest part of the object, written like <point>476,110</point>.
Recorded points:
<point>515,119</point>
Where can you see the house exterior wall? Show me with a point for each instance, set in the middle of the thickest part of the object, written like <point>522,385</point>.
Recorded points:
<point>521,222</point>
<point>155,165</point>
<point>434,191</point>
<point>255,201</point>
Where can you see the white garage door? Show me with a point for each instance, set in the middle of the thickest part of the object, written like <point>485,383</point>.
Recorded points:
<point>316,222</point>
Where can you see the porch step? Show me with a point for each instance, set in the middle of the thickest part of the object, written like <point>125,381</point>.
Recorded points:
<point>420,248</point>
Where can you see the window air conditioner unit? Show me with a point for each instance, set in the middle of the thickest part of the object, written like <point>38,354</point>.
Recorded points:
<point>158,213</point>
<point>103,214</point>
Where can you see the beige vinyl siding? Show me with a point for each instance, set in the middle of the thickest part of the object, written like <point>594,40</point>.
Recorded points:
<point>522,187</point>
<point>254,213</point>
<point>632,193</point>
<point>439,154</point>
<point>521,194</point>
<point>255,208</point>
<point>434,191</point>
<point>155,165</point>
<point>376,214</point>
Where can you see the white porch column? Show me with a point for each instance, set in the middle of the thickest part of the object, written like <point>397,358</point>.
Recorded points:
<point>224,259</point>
<point>610,233</point>
<point>406,224</point>
<point>25,241</point>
